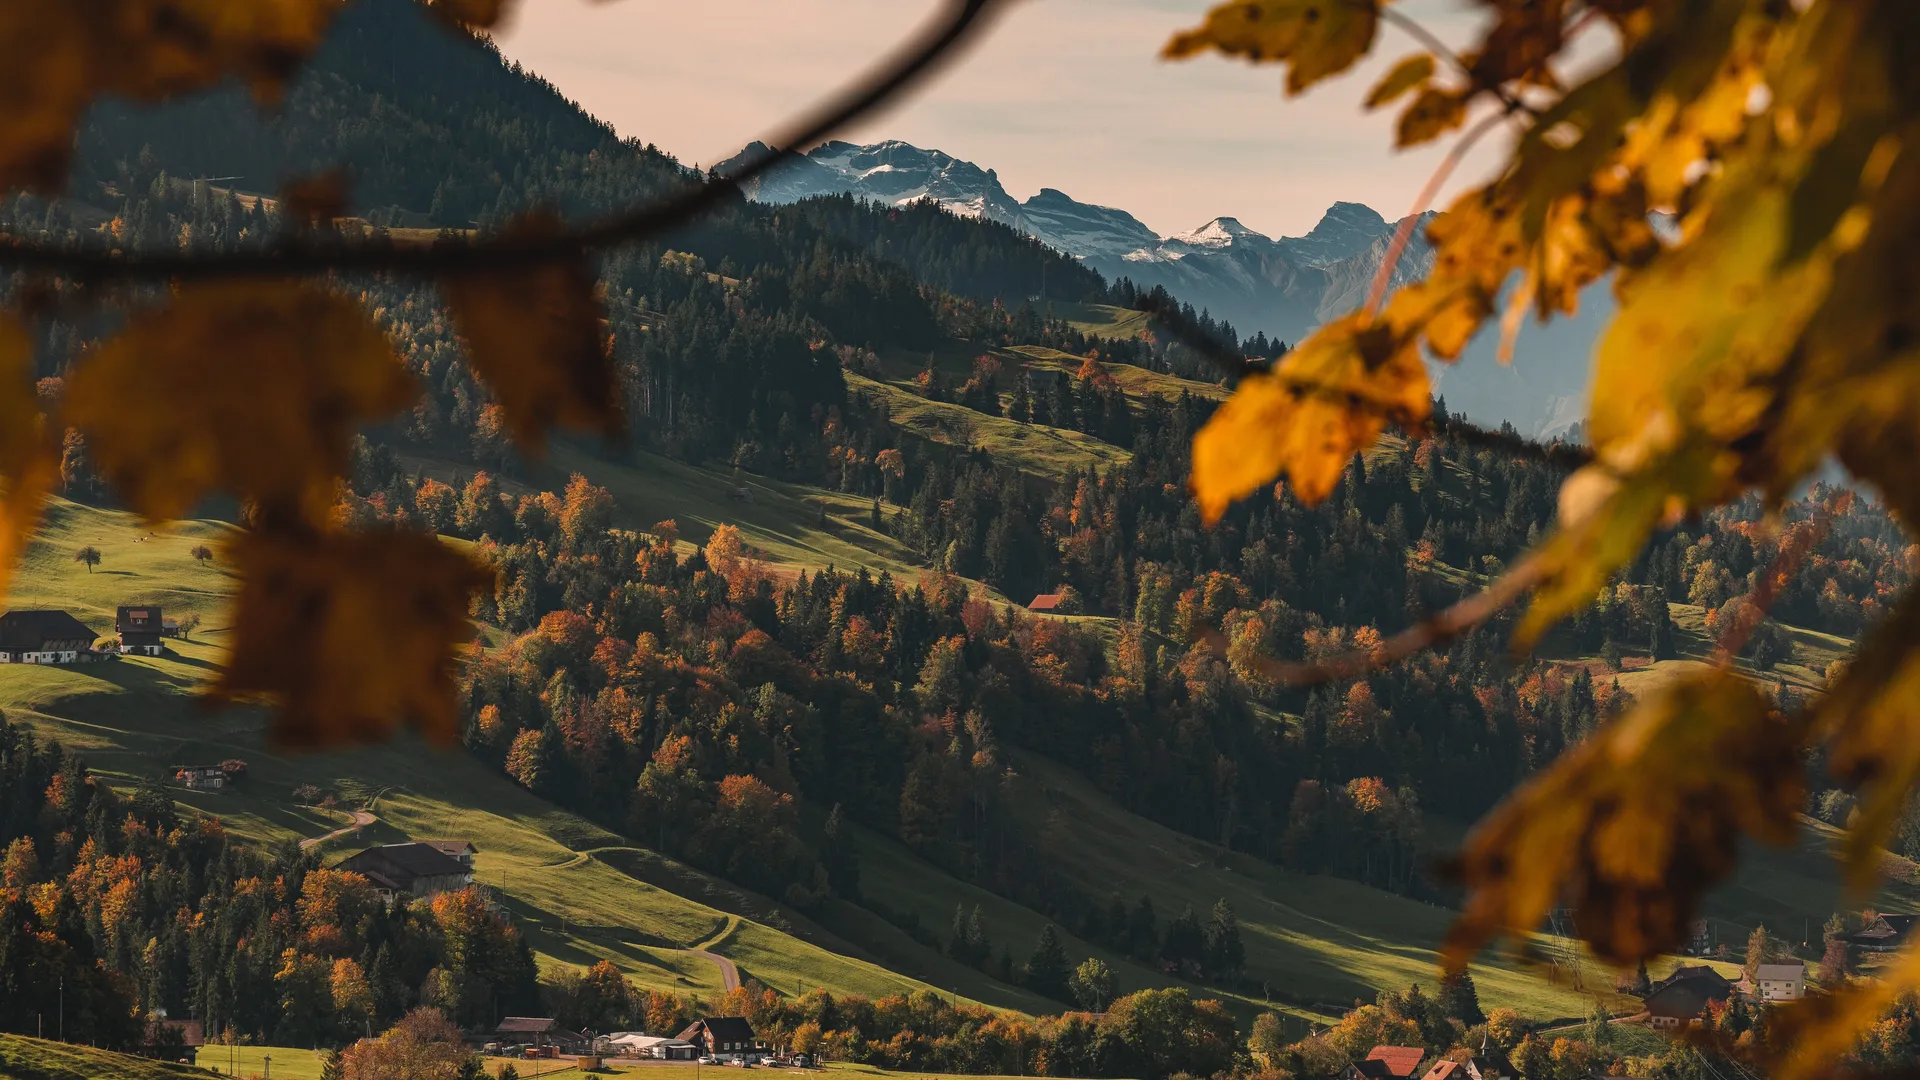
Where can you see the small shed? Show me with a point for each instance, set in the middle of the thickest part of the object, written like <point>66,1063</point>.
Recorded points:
<point>1047,602</point>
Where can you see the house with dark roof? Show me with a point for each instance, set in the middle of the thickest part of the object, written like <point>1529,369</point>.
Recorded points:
<point>140,630</point>
<point>1886,933</point>
<point>461,851</point>
<point>44,637</point>
<point>1387,1063</point>
<point>409,870</point>
<point>725,1038</point>
<point>1683,998</point>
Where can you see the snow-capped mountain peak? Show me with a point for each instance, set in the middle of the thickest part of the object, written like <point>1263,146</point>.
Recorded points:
<point>1220,232</point>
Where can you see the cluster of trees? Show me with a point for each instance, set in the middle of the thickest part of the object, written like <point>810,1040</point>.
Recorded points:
<point>137,909</point>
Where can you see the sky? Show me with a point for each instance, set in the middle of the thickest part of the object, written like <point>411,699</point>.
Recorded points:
<point>1068,94</point>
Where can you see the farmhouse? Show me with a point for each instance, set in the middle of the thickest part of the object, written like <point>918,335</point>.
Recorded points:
<point>411,869</point>
<point>202,777</point>
<point>1682,998</point>
<point>1886,933</point>
<point>461,851</point>
<point>1778,982</point>
<point>44,637</point>
<point>140,630</point>
<point>1488,1064</point>
<point>1387,1063</point>
<point>726,1038</point>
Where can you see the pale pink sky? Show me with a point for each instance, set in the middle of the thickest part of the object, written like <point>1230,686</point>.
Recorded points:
<point>1066,94</point>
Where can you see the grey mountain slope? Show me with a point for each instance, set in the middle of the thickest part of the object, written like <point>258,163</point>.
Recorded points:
<point>1283,287</point>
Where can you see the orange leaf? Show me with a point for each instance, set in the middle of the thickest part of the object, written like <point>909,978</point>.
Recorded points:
<point>1317,38</point>
<point>27,465</point>
<point>1327,400</point>
<point>251,387</point>
<point>349,634</point>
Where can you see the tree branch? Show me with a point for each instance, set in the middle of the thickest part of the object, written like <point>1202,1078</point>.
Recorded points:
<point>305,254</point>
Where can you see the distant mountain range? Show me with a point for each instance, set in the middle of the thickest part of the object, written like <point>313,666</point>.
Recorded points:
<point>1284,286</point>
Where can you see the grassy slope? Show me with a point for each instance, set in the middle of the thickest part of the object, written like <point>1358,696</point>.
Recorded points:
<point>1046,452</point>
<point>134,717</point>
<point>1101,320</point>
<point>23,1058</point>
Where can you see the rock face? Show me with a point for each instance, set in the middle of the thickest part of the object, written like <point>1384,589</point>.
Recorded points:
<point>1284,287</point>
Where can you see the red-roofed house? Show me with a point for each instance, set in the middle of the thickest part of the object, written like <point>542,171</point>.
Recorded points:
<point>1047,602</point>
<point>1387,1063</point>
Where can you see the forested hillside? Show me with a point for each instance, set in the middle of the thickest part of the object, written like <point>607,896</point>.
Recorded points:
<point>768,722</point>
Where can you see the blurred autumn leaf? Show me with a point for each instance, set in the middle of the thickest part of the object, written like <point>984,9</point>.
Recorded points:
<point>27,465</point>
<point>1316,38</point>
<point>57,57</point>
<point>251,387</point>
<point>1630,827</point>
<point>536,337</point>
<point>348,633</point>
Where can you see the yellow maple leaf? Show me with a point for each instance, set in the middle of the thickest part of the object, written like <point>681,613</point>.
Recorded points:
<point>350,634</point>
<point>1411,73</point>
<point>1324,402</point>
<point>251,387</point>
<point>1317,38</point>
<point>535,336</point>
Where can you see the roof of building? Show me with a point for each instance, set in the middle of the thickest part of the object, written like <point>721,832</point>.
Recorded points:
<point>1443,1069</point>
<point>721,1029</point>
<point>410,861</point>
<point>1695,971</point>
<point>452,848</point>
<point>1686,999</point>
<point>137,620</point>
<point>28,630</point>
<point>1781,971</point>
<point>1046,601</point>
<point>525,1025</point>
<point>1887,928</point>
<point>1403,1061</point>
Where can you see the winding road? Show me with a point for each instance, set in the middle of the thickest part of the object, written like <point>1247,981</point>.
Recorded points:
<point>361,819</point>
<point>729,973</point>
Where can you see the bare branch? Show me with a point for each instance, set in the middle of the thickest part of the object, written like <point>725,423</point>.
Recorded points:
<point>1428,193</point>
<point>307,254</point>
<point>1434,630</point>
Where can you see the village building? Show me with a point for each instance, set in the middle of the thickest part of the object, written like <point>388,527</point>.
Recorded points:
<point>538,1031</point>
<point>1682,998</point>
<point>202,777</point>
<point>44,637</point>
<point>1778,982</point>
<point>1885,933</point>
<point>1699,938</point>
<point>1047,602</point>
<point>725,1038</point>
<point>641,1045</point>
<point>1487,1064</point>
<point>1387,1063</point>
<point>140,630</point>
<point>408,870</point>
<point>461,851</point>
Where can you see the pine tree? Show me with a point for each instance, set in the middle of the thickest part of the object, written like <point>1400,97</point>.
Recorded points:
<point>979,947</point>
<point>1047,967</point>
<point>1143,931</point>
<point>1225,953</point>
<point>1460,999</point>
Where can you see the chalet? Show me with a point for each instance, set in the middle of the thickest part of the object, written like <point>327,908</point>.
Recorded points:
<point>725,1038</point>
<point>202,777</point>
<point>1682,998</point>
<point>1047,602</point>
<point>1886,933</point>
<point>140,630</point>
<point>1387,1063</point>
<point>461,851</point>
<point>1699,938</point>
<point>409,870</point>
<point>44,637</point>
<point>1488,1064</point>
<point>1778,982</point>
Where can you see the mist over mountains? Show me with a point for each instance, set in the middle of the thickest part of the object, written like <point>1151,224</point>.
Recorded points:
<point>1283,286</point>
